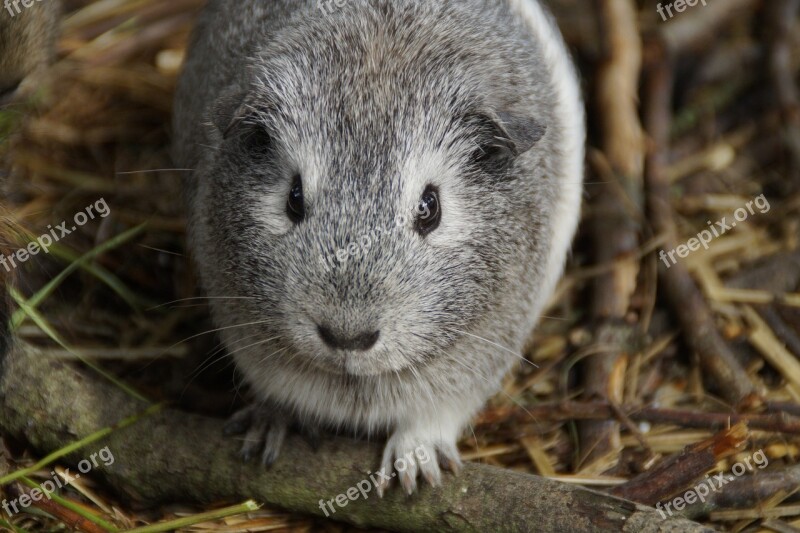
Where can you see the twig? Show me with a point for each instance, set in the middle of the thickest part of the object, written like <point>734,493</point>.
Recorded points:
<point>777,422</point>
<point>782,16</point>
<point>749,491</point>
<point>616,229</point>
<point>780,526</point>
<point>687,301</point>
<point>67,512</point>
<point>682,469</point>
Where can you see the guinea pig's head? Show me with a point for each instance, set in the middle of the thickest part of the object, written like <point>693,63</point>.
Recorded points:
<point>367,213</point>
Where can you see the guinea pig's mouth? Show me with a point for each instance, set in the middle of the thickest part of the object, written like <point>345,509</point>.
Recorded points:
<point>335,348</point>
<point>357,363</point>
<point>371,352</point>
<point>379,359</point>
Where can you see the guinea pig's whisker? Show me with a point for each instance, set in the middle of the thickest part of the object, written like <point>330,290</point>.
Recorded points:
<point>215,148</point>
<point>433,403</point>
<point>196,375</point>
<point>166,350</point>
<point>201,298</point>
<point>282,350</point>
<point>188,306</point>
<point>474,436</point>
<point>161,250</point>
<point>224,355</point>
<point>219,349</point>
<point>502,391</point>
<point>221,329</point>
<point>207,364</point>
<point>209,361</point>
<point>512,352</point>
<point>237,383</point>
<point>263,341</point>
<point>554,318</point>
<point>152,170</point>
<point>292,359</point>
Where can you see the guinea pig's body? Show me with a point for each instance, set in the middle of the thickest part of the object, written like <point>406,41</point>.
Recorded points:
<point>453,130</point>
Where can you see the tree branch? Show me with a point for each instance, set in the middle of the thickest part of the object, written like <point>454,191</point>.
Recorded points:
<point>177,456</point>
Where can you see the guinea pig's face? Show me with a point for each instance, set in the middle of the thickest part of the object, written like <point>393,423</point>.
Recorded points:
<point>369,230</point>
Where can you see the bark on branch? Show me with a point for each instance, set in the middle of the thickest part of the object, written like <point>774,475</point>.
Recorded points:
<point>177,456</point>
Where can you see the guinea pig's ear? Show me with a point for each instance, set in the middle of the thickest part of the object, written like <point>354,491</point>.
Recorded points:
<point>228,111</point>
<point>501,137</point>
<point>522,131</point>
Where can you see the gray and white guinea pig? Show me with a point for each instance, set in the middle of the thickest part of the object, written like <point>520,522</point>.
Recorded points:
<point>311,125</point>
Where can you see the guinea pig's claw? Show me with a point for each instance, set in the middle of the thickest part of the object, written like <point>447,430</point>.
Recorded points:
<point>406,461</point>
<point>449,459</point>
<point>430,471</point>
<point>239,422</point>
<point>264,434</point>
<point>409,482</point>
<point>273,442</point>
<point>381,487</point>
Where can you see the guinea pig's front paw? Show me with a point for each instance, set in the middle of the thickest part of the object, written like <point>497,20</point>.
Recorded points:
<point>407,454</point>
<point>264,432</point>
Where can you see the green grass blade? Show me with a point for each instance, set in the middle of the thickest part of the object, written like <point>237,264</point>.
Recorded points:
<point>11,527</point>
<point>172,525</point>
<point>133,300</point>
<point>40,321</point>
<point>83,261</point>
<point>77,509</point>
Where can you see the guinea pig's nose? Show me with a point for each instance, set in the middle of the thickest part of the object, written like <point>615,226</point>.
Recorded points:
<point>361,342</point>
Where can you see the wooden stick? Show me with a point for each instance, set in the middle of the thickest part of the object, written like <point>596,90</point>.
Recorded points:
<point>616,226</point>
<point>782,15</point>
<point>177,456</point>
<point>682,469</point>
<point>687,301</point>
<point>778,421</point>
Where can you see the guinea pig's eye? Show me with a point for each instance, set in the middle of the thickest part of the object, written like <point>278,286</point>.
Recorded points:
<point>429,212</point>
<point>295,206</point>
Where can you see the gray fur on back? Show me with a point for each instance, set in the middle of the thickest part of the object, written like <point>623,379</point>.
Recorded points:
<point>370,103</point>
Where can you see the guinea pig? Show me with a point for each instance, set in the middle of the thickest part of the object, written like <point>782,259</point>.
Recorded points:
<point>27,41</point>
<point>309,125</point>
